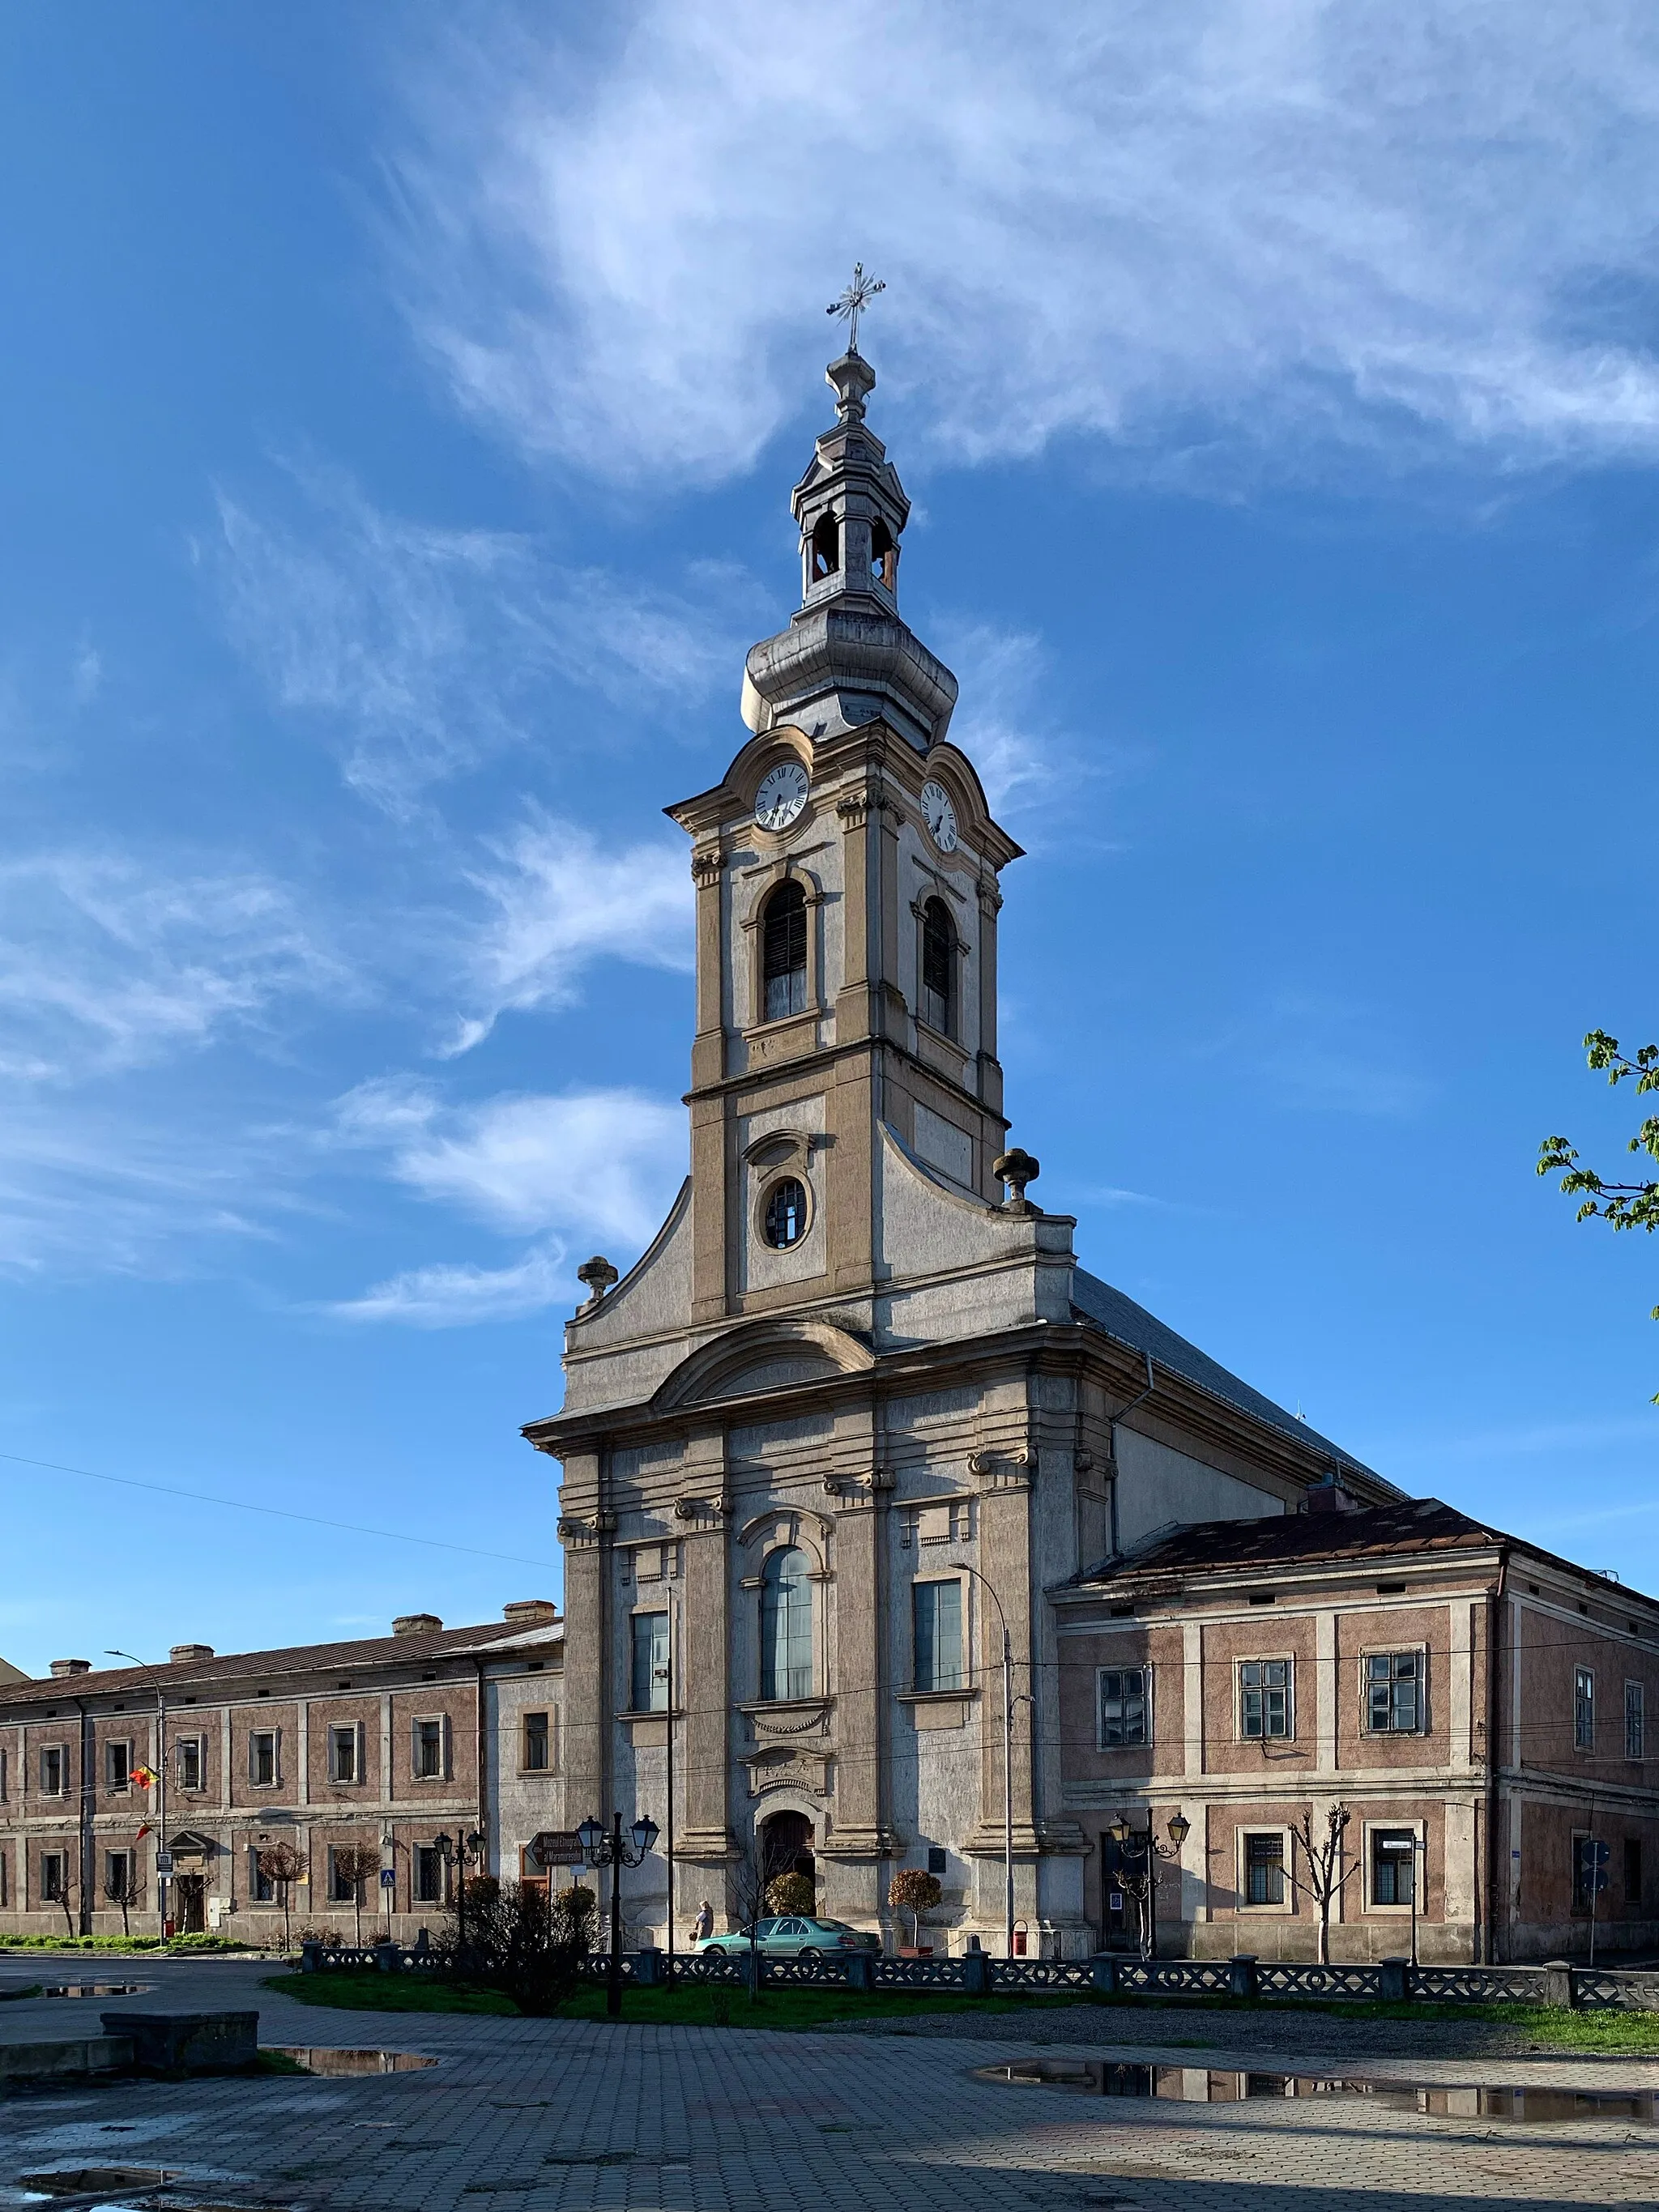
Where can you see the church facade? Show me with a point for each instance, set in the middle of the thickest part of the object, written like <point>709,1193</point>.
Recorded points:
<point>858,1407</point>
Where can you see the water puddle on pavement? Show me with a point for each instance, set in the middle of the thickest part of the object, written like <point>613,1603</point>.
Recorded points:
<point>1193,2085</point>
<point>96,1989</point>
<point>317,2060</point>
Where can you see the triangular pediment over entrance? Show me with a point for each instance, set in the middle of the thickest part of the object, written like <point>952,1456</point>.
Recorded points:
<point>768,1355</point>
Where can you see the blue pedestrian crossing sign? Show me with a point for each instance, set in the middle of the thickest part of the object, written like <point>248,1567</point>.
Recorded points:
<point>388,1877</point>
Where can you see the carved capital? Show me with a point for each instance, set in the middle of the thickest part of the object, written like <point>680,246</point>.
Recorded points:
<point>1001,1470</point>
<point>853,809</point>
<point>707,863</point>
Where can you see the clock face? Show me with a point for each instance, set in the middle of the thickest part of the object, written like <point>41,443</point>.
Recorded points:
<point>781,796</point>
<point>941,816</point>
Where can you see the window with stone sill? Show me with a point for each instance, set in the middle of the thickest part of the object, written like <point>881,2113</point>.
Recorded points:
<point>1264,1867</point>
<point>345,1762</point>
<point>537,1755</point>
<point>1636,1720</point>
<point>786,1624</point>
<point>937,1614</point>
<point>191,1753</point>
<point>261,1764</point>
<point>1394,1693</point>
<point>938,968</point>
<point>54,1762</point>
<point>1264,1698</point>
<point>52,1864</point>
<point>783,953</point>
<point>1583,1708</point>
<point>118,1764</point>
<point>1126,1707</point>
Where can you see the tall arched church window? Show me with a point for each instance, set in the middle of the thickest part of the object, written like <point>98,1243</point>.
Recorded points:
<point>783,953</point>
<point>939,967</point>
<point>786,1626</point>
<point>826,547</point>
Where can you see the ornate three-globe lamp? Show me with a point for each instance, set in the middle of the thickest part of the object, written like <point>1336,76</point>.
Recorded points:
<point>1139,1852</point>
<point>600,1850</point>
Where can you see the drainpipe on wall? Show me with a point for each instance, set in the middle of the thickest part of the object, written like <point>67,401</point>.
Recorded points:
<point>89,1805</point>
<point>1494,1623</point>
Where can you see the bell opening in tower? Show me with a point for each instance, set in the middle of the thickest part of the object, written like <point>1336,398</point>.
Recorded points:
<point>826,547</point>
<point>783,953</point>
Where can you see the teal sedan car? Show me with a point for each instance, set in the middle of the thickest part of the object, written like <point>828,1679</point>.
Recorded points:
<point>793,1937</point>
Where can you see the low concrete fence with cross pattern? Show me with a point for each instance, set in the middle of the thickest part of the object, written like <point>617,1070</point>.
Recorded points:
<point>976,1973</point>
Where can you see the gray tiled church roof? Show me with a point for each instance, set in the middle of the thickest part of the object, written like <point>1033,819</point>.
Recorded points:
<point>1120,1317</point>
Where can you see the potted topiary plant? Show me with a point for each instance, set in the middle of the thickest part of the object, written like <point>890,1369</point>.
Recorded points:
<point>790,1892</point>
<point>914,1891</point>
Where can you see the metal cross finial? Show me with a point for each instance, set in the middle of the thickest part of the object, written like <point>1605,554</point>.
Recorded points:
<point>854,301</point>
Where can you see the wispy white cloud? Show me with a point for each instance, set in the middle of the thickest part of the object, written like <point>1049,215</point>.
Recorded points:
<point>109,958</point>
<point>459,1297</point>
<point>604,1162</point>
<point>423,650</point>
<point>1318,1055</point>
<point>1267,225</point>
<point>557,901</point>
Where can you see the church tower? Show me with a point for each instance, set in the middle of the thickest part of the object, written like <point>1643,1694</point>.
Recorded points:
<point>846,916</point>
<point>856,1412</point>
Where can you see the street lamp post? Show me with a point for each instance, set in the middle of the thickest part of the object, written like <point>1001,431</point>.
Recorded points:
<point>161,1879</point>
<point>464,1845</point>
<point>602,1851</point>
<point>1141,1848</point>
<point>1007,1765</point>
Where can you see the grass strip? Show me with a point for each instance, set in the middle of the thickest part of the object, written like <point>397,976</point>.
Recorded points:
<point>705,2005</point>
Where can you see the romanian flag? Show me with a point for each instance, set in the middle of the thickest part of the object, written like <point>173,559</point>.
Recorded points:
<point>145,1776</point>
<point>142,1833</point>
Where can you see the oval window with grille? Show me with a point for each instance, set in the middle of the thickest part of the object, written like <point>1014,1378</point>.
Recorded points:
<point>784,1219</point>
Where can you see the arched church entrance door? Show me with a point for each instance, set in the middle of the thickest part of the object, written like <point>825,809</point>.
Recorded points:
<point>786,1848</point>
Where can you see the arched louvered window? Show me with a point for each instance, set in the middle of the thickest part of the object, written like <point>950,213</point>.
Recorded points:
<point>786,1626</point>
<point>783,952</point>
<point>939,967</point>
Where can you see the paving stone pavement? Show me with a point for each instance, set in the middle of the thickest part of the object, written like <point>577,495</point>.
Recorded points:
<point>568,2116</point>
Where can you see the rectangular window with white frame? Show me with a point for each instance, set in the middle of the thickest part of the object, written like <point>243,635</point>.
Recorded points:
<point>936,1614</point>
<point>5,1877</point>
<point>429,1871</point>
<point>345,1752</point>
<point>648,1670</point>
<point>190,1752</point>
<point>54,1770</point>
<point>1394,1685</point>
<point>431,1750</point>
<point>264,1767</point>
<point>118,1764</point>
<point>1583,1708</point>
<point>261,1886</point>
<point>1265,1708</point>
<point>1262,1869</point>
<point>52,1877</point>
<point>4,1776</point>
<point>1391,1872</point>
<point>538,1758</point>
<point>1124,1707</point>
<point>1636,1720</point>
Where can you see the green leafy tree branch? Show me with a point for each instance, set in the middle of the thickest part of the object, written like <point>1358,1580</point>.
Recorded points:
<point>1620,1205</point>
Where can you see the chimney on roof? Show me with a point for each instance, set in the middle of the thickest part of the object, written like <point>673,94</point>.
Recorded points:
<point>417,1624</point>
<point>180,1652</point>
<point>71,1665</point>
<point>530,1612</point>
<point>1328,1496</point>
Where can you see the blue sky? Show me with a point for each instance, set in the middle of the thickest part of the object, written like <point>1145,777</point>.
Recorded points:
<point>398,418</point>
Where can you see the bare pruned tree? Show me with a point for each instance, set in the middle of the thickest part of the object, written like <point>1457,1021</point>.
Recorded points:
<point>747,1880</point>
<point>354,1864</point>
<point>281,1865</point>
<point>124,1885</point>
<point>1327,1870</point>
